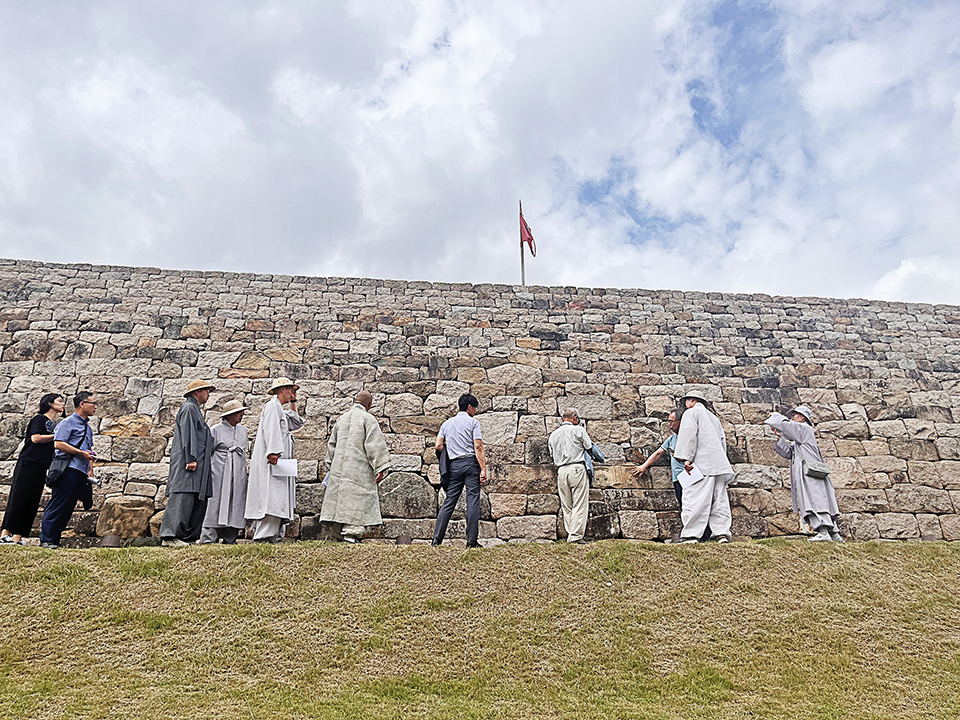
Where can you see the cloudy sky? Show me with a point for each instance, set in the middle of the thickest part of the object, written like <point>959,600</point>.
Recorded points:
<point>790,147</point>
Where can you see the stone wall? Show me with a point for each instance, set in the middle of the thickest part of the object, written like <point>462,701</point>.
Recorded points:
<point>882,379</point>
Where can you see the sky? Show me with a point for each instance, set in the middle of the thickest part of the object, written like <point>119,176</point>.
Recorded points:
<point>790,147</point>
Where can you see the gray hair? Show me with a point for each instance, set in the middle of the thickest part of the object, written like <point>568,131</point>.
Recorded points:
<point>571,412</point>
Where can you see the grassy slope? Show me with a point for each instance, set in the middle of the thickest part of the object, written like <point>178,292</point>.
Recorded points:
<point>772,629</point>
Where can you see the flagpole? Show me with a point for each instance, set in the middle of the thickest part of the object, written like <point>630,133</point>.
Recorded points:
<point>523,274</point>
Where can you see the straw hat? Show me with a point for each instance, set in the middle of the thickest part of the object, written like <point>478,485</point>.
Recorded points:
<point>282,382</point>
<point>696,395</point>
<point>805,411</point>
<point>197,385</point>
<point>234,406</point>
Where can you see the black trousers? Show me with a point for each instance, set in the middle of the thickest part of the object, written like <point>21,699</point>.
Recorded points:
<point>73,486</point>
<point>464,473</point>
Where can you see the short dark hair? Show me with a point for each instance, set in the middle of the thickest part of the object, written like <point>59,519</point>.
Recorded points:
<point>80,397</point>
<point>466,400</point>
<point>678,411</point>
<point>47,401</point>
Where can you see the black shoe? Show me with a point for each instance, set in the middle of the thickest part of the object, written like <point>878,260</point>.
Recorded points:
<point>474,545</point>
<point>434,543</point>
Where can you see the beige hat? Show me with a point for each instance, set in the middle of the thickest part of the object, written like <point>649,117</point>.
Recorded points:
<point>234,406</point>
<point>282,383</point>
<point>197,385</point>
<point>696,395</point>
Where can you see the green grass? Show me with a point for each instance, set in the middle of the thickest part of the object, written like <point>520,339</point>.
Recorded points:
<point>764,630</point>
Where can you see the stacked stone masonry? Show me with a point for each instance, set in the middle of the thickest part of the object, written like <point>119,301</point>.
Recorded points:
<point>882,379</point>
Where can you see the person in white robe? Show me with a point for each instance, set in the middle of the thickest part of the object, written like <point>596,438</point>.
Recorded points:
<point>701,442</point>
<point>357,460</point>
<point>814,498</point>
<point>228,475</point>
<point>271,497</point>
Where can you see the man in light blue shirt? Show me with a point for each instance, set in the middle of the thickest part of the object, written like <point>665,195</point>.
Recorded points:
<point>460,435</point>
<point>73,436</point>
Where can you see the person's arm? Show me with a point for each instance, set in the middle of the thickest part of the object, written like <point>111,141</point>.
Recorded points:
<point>438,446</point>
<point>41,439</point>
<point>654,457</point>
<point>481,458</point>
<point>331,446</point>
<point>686,448</point>
<point>71,450</point>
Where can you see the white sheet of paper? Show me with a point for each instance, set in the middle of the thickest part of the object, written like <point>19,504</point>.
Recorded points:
<point>285,467</point>
<point>689,478</point>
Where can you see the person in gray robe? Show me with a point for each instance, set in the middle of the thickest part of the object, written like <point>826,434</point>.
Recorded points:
<point>228,474</point>
<point>357,460</point>
<point>271,497</point>
<point>701,442</point>
<point>188,481</point>
<point>814,498</point>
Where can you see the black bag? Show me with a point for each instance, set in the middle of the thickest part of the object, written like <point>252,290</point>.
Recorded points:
<point>57,468</point>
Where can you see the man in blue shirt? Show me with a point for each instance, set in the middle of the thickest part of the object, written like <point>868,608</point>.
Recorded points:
<point>73,436</point>
<point>468,469</point>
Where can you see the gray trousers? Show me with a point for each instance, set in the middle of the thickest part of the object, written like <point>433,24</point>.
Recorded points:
<point>464,473</point>
<point>183,517</point>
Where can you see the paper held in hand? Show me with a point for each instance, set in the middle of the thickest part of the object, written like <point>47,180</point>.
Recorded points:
<point>689,478</point>
<point>285,467</point>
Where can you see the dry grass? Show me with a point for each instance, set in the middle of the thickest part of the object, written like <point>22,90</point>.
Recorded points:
<point>772,629</point>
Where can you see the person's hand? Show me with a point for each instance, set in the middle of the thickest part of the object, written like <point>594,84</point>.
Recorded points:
<point>86,455</point>
<point>483,477</point>
<point>688,466</point>
<point>272,458</point>
<point>776,432</point>
<point>191,466</point>
<point>380,476</point>
<point>639,470</point>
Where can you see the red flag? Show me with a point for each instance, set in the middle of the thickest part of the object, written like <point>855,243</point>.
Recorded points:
<point>525,235</point>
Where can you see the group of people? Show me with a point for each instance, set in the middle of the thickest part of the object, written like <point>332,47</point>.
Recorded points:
<point>212,495</point>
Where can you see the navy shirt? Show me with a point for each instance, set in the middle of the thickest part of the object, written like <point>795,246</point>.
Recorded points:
<point>75,431</point>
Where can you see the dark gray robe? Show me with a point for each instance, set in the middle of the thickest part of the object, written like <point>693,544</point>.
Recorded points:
<point>192,442</point>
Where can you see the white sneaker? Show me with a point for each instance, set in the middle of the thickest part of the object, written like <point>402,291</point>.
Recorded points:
<point>822,536</point>
<point>688,541</point>
<point>836,537</point>
<point>175,542</point>
<point>723,539</point>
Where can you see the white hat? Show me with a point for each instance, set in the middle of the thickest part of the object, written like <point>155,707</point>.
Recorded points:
<point>805,411</point>
<point>282,382</point>
<point>234,406</point>
<point>197,385</point>
<point>696,395</point>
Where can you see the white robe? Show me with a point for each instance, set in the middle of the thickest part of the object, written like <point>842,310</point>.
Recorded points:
<point>267,492</point>
<point>356,452</point>
<point>701,440</point>
<point>228,475</point>
<point>811,496</point>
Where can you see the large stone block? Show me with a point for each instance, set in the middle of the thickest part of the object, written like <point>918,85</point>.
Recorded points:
<point>527,527</point>
<point>882,463</point>
<point>403,404</point>
<point>751,501</point>
<point>591,407</point>
<point>127,426</point>
<point>856,501</point>
<point>406,495</point>
<point>755,476</point>
<point>148,449</point>
<point>309,498</point>
<point>125,516</point>
<point>507,504</point>
<point>601,525</point>
<point>514,376</point>
<point>844,429</point>
<point>525,479</point>
<point>929,527</point>
<point>846,473</point>
<point>950,525</point>
<point>760,452</point>
<point>639,525</point>
<point>425,425</point>
<point>897,526</point>
<point>919,499</point>
<point>543,504</point>
<point>859,526</point>
<point>948,448</point>
<point>617,476</point>
<point>619,500</point>
<point>416,529</point>
<point>498,428</point>
<point>609,431</point>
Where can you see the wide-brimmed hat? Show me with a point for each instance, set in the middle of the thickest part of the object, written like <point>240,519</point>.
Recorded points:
<point>282,382</point>
<point>197,385</point>
<point>805,411</point>
<point>234,406</point>
<point>696,395</point>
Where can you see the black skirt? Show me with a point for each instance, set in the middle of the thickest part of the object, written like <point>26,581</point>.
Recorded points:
<point>26,487</point>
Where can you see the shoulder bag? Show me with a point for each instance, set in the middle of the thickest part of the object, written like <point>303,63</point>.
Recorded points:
<point>817,470</point>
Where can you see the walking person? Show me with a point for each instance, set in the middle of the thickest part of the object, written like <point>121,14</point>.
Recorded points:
<point>188,480</point>
<point>813,497</point>
<point>468,469</point>
<point>568,445</point>
<point>228,478</point>
<point>29,475</point>
<point>668,447</point>
<point>701,442</point>
<point>73,440</point>
<point>271,496</point>
<point>357,461</point>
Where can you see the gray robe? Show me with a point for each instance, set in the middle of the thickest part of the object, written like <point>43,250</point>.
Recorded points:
<point>192,442</point>
<point>797,441</point>
<point>267,492</point>
<point>356,452</point>
<point>228,474</point>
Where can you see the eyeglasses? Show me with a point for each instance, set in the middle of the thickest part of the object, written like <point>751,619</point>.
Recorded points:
<point>88,402</point>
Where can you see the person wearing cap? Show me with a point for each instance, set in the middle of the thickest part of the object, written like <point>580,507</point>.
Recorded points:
<point>271,497</point>
<point>188,481</point>
<point>814,498</point>
<point>702,442</point>
<point>357,460</point>
<point>228,474</point>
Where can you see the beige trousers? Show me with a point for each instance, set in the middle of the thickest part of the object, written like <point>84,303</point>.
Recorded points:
<point>574,490</point>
